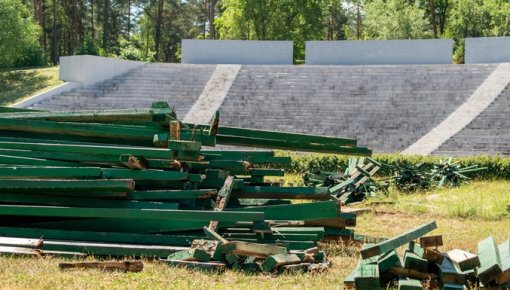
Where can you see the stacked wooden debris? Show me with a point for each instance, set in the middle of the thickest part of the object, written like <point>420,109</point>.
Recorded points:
<point>355,184</point>
<point>138,182</point>
<point>424,265</point>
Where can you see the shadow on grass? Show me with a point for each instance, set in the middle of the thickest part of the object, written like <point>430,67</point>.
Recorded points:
<point>19,83</point>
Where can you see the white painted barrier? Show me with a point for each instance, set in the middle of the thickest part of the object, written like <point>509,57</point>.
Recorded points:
<point>487,50</point>
<point>89,69</point>
<point>197,51</point>
<point>374,52</point>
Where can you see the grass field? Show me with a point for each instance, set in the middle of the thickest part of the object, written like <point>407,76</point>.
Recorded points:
<point>465,215</point>
<point>18,84</point>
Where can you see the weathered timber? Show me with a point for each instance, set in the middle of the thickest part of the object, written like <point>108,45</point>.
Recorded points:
<point>504,252</point>
<point>274,261</point>
<point>302,211</point>
<point>49,172</point>
<point>81,187</point>
<point>17,160</point>
<point>252,249</point>
<point>211,234</point>
<point>449,274</point>
<point>123,266</point>
<point>490,261</point>
<point>367,276</point>
<point>190,255</point>
<point>150,175</point>
<point>398,241</point>
<point>414,262</point>
<point>388,260</point>
<point>315,193</point>
<point>37,252</point>
<point>463,260</point>
<point>431,241</point>
<point>413,274</point>
<point>222,199</point>
<point>409,284</point>
<point>183,215</point>
<point>162,195</point>
<point>21,242</point>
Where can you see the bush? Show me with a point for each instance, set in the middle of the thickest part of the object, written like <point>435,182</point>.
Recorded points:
<point>87,47</point>
<point>33,56</point>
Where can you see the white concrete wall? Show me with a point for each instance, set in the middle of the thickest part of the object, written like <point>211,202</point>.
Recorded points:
<point>236,52</point>
<point>487,50</point>
<point>89,69</point>
<point>367,52</point>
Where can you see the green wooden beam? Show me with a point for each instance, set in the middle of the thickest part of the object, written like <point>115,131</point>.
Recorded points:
<point>184,215</point>
<point>398,241</point>
<point>67,187</point>
<point>490,260</point>
<point>161,195</point>
<point>50,172</point>
<point>301,211</point>
<point>315,193</point>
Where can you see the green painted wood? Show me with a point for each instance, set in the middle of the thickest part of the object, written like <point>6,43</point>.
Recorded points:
<point>252,249</point>
<point>388,260</point>
<point>490,261</point>
<point>414,262</point>
<point>90,149</point>
<point>184,215</point>
<point>463,260</point>
<point>449,274</point>
<point>316,231</point>
<point>409,284</point>
<point>17,160</point>
<point>50,172</point>
<point>190,255</point>
<point>111,250</point>
<point>162,195</point>
<point>94,236</point>
<point>315,193</point>
<point>222,200</point>
<point>398,241</point>
<point>272,237</point>
<point>274,261</point>
<point>450,286</point>
<point>67,187</point>
<point>289,145</point>
<point>349,280</point>
<point>36,252</point>
<point>21,242</point>
<point>73,158</point>
<point>150,175</point>
<point>52,200</point>
<point>504,253</point>
<point>266,172</point>
<point>302,211</point>
<point>367,276</point>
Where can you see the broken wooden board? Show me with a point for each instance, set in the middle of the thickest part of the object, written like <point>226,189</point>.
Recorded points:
<point>413,274</point>
<point>222,199</point>
<point>367,276</point>
<point>21,242</point>
<point>449,274</point>
<point>123,266</point>
<point>463,260</point>
<point>202,266</point>
<point>191,255</point>
<point>398,241</point>
<point>431,241</point>
<point>274,261</point>
<point>409,284</point>
<point>252,249</point>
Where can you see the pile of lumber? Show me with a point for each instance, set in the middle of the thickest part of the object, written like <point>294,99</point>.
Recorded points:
<point>424,265</point>
<point>139,182</point>
<point>355,184</point>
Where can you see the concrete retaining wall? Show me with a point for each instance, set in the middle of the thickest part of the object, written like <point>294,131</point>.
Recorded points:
<point>487,50</point>
<point>88,69</point>
<point>421,51</point>
<point>236,52</point>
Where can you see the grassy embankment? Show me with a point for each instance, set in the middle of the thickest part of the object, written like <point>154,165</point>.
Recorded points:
<point>18,84</point>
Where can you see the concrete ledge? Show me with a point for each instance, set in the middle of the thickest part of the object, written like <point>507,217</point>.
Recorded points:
<point>90,69</point>
<point>65,87</point>
<point>487,50</point>
<point>421,51</point>
<point>236,52</point>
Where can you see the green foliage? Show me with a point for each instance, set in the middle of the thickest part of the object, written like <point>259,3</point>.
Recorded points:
<point>18,34</point>
<point>88,46</point>
<point>395,19</point>
<point>33,56</point>
<point>497,167</point>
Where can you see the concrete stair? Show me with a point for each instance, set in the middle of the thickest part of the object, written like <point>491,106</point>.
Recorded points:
<point>489,133</point>
<point>384,107</point>
<point>179,85</point>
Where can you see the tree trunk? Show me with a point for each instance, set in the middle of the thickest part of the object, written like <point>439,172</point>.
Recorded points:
<point>54,32</point>
<point>93,31</point>
<point>43,25</point>
<point>157,38</point>
<point>106,25</point>
<point>129,20</point>
<point>433,17</point>
<point>212,28</point>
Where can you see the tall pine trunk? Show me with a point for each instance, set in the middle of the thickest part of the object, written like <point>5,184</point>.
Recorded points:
<point>54,34</point>
<point>159,20</point>
<point>106,25</point>
<point>212,28</point>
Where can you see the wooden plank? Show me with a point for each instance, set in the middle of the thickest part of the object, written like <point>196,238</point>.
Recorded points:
<point>490,261</point>
<point>222,199</point>
<point>21,242</point>
<point>162,195</point>
<point>414,262</point>
<point>302,211</point>
<point>413,274</point>
<point>37,252</point>
<point>463,260</point>
<point>388,260</point>
<point>504,252</point>
<point>398,241</point>
<point>49,172</point>
<point>183,215</point>
<point>190,255</point>
<point>252,249</point>
<point>449,274</point>
<point>431,241</point>
<point>367,276</point>
<point>123,266</point>
<point>274,261</point>
<point>315,193</point>
<point>64,187</point>
<point>409,284</point>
